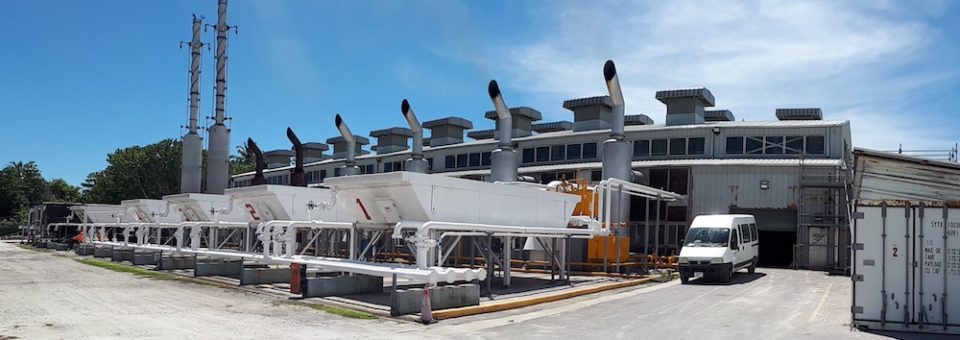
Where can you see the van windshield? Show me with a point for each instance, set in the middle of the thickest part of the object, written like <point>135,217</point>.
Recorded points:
<point>707,237</point>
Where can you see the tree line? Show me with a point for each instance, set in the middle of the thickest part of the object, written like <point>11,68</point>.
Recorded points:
<point>135,172</point>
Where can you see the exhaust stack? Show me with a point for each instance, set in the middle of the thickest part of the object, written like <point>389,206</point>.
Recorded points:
<point>298,177</point>
<point>192,153</point>
<point>504,158</point>
<point>350,166</point>
<point>416,163</point>
<point>617,151</point>
<point>218,153</point>
<point>258,178</point>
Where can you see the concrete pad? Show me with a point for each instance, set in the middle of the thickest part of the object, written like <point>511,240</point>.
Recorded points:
<point>103,251</point>
<point>409,300</point>
<point>217,267</point>
<point>121,254</point>
<point>252,276</point>
<point>146,256</point>
<point>342,285</point>
<point>173,262</point>
<point>85,249</point>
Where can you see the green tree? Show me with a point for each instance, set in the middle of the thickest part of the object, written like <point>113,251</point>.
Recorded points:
<point>242,162</point>
<point>135,172</point>
<point>59,190</point>
<point>21,186</point>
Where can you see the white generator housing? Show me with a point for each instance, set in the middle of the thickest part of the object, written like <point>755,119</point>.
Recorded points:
<point>263,203</point>
<point>203,207</point>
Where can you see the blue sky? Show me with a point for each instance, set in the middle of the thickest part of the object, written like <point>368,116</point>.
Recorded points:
<point>79,79</point>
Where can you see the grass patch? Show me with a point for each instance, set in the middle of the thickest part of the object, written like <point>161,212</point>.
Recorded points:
<point>122,268</point>
<point>26,247</point>
<point>329,309</point>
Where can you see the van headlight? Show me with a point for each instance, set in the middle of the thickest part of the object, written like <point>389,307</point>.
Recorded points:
<point>684,260</point>
<point>716,260</point>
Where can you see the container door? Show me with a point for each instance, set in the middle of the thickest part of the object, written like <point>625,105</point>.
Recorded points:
<point>817,247</point>
<point>883,263</point>
<point>938,267</point>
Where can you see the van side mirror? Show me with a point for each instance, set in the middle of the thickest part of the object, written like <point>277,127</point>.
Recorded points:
<point>734,246</point>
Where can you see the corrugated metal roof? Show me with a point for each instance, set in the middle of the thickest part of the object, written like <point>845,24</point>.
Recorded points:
<point>664,163</point>
<point>523,111</point>
<point>588,101</point>
<point>882,176</point>
<point>718,116</point>
<point>455,121</point>
<point>481,134</point>
<point>552,126</point>
<point>699,92</point>
<point>812,113</point>
<point>637,119</point>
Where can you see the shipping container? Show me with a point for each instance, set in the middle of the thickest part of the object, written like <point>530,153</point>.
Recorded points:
<point>906,272</point>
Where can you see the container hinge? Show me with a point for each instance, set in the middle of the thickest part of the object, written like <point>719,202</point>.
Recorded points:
<point>857,309</point>
<point>858,246</point>
<point>858,278</point>
<point>858,215</point>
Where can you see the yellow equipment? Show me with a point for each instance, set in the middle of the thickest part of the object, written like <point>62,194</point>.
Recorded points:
<point>588,206</point>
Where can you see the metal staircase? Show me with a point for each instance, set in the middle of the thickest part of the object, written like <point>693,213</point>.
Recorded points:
<point>823,218</point>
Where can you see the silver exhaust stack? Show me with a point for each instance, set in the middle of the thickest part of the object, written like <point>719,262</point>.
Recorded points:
<point>192,145</point>
<point>258,178</point>
<point>504,159</point>
<point>617,151</point>
<point>298,177</point>
<point>350,165</point>
<point>416,163</point>
<point>218,153</point>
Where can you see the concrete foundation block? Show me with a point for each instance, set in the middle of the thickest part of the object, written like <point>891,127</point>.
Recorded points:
<point>85,249</point>
<point>146,256</point>
<point>215,267</point>
<point>253,276</point>
<point>342,285</point>
<point>51,245</point>
<point>62,246</point>
<point>409,300</point>
<point>103,251</point>
<point>171,262</point>
<point>122,254</point>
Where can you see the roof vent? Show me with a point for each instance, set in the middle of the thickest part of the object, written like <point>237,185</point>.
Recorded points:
<point>340,146</point>
<point>313,152</point>
<point>278,158</point>
<point>812,113</point>
<point>482,134</point>
<point>591,113</point>
<point>446,131</point>
<point>685,106</point>
<point>392,140</point>
<point>637,119</point>
<point>718,116</point>
<point>523,118</point>
<point>552,126</point>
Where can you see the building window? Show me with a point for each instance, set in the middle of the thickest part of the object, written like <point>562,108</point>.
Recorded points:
<point>528,155</point>
<point>658,147</point>
<point>641,148</point>
<point>596,175</point>
<point>589,150</point>
<point>754,145</point>
<point>323,174</point>
<point>794,145</point>
<point>387,167</point>
<point>734,145</point>
<point>485,159</point>
<point>815,145</point>
<point>449,162</point>
<point>558,152</point>
<point>336,172</point>
<point>430,164</point>
<point>678,146</point>
<point>774,145</point>
<point>543,154</point>
<point>696,146</point>
<point>462,160</point>
<point>475,159</point>
<point>573,151</point>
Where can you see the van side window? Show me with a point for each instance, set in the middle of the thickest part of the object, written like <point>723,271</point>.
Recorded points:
<point>747,235</point>
<point>753,230</point>
<point>734,238</point>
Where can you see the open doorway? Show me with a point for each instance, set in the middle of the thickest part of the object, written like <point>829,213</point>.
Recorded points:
<point>776,248</point>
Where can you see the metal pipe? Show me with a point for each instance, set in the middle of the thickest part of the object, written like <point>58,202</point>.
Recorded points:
<point>504,159</point>
<point>218,167</point>
<point>411,117</point>
<point>350,164</point>
<point>192,144</point>
<point>258,177</point>
<point>616,96</point>
<point>298,177</point>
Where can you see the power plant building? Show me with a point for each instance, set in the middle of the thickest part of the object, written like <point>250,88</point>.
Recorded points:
<point>790,172</point>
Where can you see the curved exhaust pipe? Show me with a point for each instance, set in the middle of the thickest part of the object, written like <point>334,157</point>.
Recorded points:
<point>298,177</point>
<point>616,95</point>
<point>350,165</point>
<point>505,126</point>
<point>417,152</point>
<point>503,167</point>
<point>258,178</point>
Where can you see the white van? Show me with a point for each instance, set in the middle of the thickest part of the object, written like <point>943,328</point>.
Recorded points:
<point>716,246</point>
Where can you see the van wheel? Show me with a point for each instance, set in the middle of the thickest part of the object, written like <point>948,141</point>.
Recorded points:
<point>727,276</point>
<point>753,267</point>
<point>684,278</point>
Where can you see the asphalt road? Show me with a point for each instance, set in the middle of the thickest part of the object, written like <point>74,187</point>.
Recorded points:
<point>47,296</point>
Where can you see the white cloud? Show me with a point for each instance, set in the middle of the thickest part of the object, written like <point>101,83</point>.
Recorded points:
<point>858,61</point>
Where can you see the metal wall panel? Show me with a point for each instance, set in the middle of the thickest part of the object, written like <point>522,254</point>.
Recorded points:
<point>907,269</point>
<point>715,189</point>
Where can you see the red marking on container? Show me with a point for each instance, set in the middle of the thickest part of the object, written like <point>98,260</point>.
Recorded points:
<point>364,209</point>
